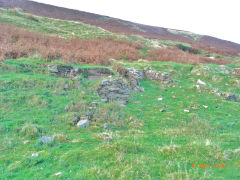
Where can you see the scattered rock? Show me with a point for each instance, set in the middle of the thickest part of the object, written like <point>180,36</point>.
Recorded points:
<point>67,107</point>
<point>74,141</point>
<point>215,91</point>
<point>105,126</point>
<point>26,142</point>
<point>162,77</point>
<point>34,154</point>
<point>83,123</point>
<point>162,110</point>
<point>75,119</point>
<point>186,110</point>
<point>160,99</point>
<point>208,142</point>
<point>201,82</point>
<point>200,70</point>
<point>198,87</point>
<point>58,174</point>
<point>223,69</point>
<point>231,97</point>
<point>205,106</point>
<point>65,86</point>
<point>46,139</point>
<point>195,107</point>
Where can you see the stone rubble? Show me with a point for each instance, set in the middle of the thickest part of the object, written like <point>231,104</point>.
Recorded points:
<point>162,77</point>
<point>70,72</point>
<point>114,90</point>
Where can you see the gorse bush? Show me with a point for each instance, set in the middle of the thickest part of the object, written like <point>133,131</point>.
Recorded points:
<point>16,42</point>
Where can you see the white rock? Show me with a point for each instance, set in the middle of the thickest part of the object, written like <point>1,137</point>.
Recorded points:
<point>83,123</point>
<point>160,99</point>
<point>212,57</point>
<point>58,174</point>
<point>207,142</point>
<point>198,87</point>
<point>201,82</point>
<point>34,154</point>
<point>205,106</point>
<point>186,110</point>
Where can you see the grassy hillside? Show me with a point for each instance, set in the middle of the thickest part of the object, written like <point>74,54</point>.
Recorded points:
<point>147,139</point>
<point>78,42</point>
<point>60,28</point>
<point>167,131</point>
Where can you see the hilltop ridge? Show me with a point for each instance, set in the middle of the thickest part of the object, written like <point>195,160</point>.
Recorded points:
<point>119,26</point>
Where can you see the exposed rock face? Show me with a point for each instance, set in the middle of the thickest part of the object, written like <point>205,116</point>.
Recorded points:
<point>70,72</point>
<point>114,90</point>
<point>159,76</point>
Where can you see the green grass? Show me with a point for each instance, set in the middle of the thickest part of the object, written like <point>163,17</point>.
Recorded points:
<point>141,142</point>
<point>60,28</point>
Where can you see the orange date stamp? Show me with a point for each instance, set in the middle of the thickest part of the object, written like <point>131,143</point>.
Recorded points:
<point>214,165</point>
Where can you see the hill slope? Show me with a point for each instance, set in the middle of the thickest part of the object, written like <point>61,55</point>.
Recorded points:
<point>125,27</point>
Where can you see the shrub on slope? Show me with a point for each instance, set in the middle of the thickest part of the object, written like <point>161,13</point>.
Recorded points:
<point>16,42</point>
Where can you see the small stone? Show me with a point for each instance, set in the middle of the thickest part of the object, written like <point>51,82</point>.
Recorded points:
<point>215,78</point>
<point>83,123</point>
<point>215,91</point>
<point>58,174</point>
<point>201,82</point>
<point>46,139</point>
<point>231,97</point>
<point>75,118</point>
<point>65,86</point>
<point>34,154</point>
<point>186,110</point>
<point>194,108</point>
<point>25,142</point>
<point>205,106</point>
<point>162,110</point>
<point>198,87</point>
<point>208,142</point>
<point>160,99</point>
<point>67,107</point>
<point>74,141</point>
<point>174,97</point>
<point>105,126</point>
